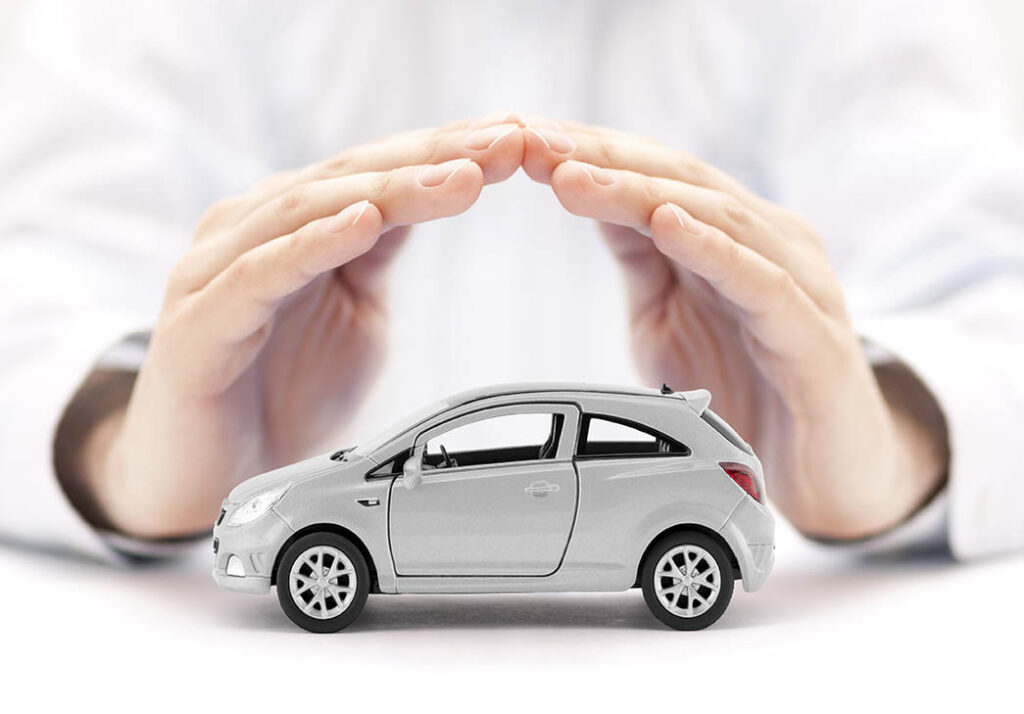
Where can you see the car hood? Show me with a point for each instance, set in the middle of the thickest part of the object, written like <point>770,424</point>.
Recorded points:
<point>293,472</point>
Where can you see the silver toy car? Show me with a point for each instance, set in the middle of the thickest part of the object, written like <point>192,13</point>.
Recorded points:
<point>512,488</point>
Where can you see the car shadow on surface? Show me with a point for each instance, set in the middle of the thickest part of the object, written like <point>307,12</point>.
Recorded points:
<point>527,610</point>
<point>791,594</point>
<point>820,584</point>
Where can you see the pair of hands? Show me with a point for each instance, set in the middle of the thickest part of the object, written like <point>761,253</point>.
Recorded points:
<point>273,324</point>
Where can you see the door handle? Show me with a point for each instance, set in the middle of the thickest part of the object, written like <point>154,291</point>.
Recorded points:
<point>540,489</point>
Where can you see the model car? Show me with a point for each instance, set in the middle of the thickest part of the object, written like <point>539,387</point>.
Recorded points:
<point>512,488</point>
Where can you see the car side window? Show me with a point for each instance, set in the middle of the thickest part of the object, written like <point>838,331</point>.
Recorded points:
<point>507,438</point>
<point>608,437</point>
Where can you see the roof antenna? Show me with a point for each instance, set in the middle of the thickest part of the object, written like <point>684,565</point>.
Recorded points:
<point>665,389</point>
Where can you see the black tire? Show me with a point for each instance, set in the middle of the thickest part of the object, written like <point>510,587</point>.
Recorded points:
<point>650,581</point>
<point>360,575</point>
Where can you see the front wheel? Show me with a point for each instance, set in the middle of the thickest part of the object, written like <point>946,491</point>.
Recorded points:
<point>687,580</point>
<point>322,582</point>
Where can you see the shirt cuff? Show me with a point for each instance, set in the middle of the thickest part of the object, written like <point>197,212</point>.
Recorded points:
<point>980,508</point>
<point>44,372</point>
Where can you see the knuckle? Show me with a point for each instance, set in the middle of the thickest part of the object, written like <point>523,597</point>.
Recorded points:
<point>654,191</point>
<point>293,250</point>
<point>379,184</point>
<point>783,285</point>
<point>731,253</point>
<point>433,149</point>
<point>338,164</point>
<point>693,170</point>
<point>292,200</point>
<point>609,152</point>
<point>241,271</point>
<point>735,212</point>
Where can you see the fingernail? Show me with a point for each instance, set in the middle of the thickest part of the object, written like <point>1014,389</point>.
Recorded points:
<point>437,175</point>
<point>483,139</point>
<point>555,140</point>
<point>597,175</point>
<point>348,217</point>
<point>687,222</point>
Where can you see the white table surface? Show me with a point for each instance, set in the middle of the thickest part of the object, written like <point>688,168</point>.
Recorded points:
<point>829,632</point>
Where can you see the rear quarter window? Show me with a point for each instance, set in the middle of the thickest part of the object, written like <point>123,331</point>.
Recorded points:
<point>604,436</point>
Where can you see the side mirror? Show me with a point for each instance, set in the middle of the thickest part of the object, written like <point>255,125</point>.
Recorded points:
<point>412,472</point>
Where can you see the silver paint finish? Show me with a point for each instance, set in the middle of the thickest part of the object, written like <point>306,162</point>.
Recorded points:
<point>484,521</point>
<point>479,529</point>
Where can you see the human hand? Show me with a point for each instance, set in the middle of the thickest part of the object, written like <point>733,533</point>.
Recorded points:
<point>731,292</point>
<point>272,326</point>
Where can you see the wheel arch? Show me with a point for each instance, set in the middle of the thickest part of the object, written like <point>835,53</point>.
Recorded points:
<point>328,528</point>
<point>689,528</point>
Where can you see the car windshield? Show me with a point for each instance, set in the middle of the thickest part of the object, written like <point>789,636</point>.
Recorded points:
<point>399,427</point>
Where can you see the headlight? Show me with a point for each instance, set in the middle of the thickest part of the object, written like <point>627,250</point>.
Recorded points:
<point>252,508</point>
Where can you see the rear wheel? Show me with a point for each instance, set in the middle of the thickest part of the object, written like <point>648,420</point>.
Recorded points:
<point>687,580</point>
<point>322,582</point>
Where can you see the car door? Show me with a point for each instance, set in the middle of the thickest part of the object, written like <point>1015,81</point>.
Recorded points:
<point>505,507</point>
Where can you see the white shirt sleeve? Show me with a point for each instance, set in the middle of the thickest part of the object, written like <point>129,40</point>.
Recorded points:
<point>113,144</point>
<point>888,133</point>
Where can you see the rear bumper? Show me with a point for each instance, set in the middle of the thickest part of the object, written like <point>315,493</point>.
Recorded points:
<point>750,533</point>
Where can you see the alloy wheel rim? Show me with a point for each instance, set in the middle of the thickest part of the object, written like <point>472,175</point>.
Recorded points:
<point>322,582</point>
<point>687,581</point>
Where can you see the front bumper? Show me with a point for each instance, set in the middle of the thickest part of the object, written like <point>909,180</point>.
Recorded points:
<point>252,584</point>
<point>245,555</point>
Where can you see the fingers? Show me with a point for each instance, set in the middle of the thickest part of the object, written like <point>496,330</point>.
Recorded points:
<point>628,198</point>
<point>779,314</point>
<point>407,195</point>
<point>494,142</point>
<point>497,149</point>
<point>243,298</point>
<point>410,194</point>
<point>546,148</point>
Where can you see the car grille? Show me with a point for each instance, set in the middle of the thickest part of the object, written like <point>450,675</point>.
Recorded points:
<point>221,516</point>
<point>216,545</point>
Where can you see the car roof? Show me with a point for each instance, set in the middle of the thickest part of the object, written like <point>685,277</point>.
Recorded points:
<point>698,399</point>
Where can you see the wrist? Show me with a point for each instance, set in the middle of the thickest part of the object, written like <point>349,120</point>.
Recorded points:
<point>888,456</point>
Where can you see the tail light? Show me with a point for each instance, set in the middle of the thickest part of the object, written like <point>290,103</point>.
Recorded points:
<point>744,479</point>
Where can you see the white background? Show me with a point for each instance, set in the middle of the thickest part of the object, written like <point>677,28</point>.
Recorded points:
<point>828,633</point>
